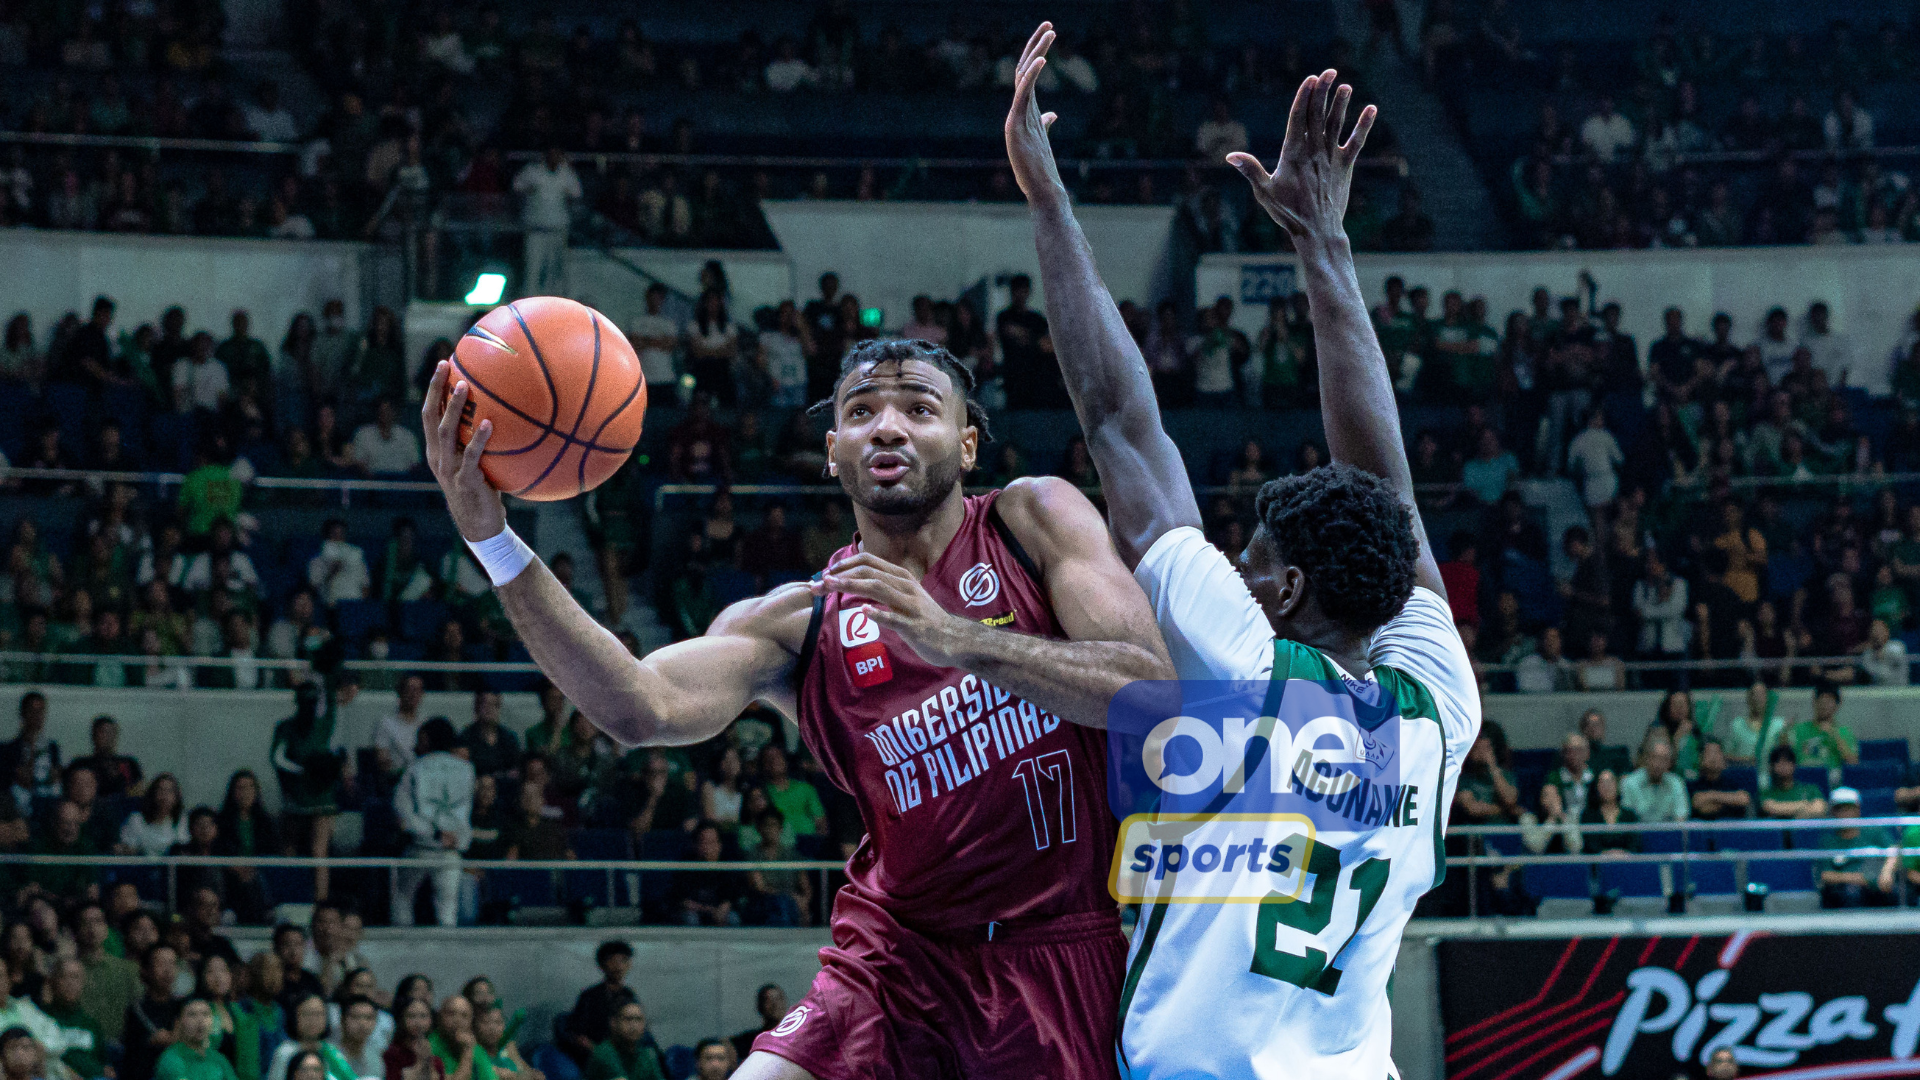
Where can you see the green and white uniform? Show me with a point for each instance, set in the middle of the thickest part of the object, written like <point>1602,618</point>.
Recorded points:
<point>1296,987</point>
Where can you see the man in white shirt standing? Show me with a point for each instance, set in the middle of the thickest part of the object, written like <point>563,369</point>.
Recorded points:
<point>1606,133</point>
<point>384,448</point>
<point>654,336</point>
<point>399,731</point>
<point>339,571</point>
<point>549,188</point>
<point>1833,353</point>
<point>435,804</point>
<point>201,383</point>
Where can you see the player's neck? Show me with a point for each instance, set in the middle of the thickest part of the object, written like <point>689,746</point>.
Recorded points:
<point>1341,645</point>
<point>914,541</point>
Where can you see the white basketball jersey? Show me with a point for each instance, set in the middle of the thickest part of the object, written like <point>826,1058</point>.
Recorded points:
<point>1295,986</point>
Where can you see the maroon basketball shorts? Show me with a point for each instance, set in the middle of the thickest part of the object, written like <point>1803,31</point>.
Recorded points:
<point>1036,1001</point>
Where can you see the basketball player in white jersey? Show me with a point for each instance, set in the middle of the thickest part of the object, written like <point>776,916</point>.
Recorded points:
<point>1336,606</point>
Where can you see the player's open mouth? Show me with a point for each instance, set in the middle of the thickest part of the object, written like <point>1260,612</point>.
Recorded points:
<point>887,468</point>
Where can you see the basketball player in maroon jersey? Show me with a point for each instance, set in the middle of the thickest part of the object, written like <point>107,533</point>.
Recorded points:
<point>930,669</point>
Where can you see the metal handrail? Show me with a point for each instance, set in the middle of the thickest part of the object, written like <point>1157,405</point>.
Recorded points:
<point>1692,826</point>
<point>282,483</point>
<point>364,862</point>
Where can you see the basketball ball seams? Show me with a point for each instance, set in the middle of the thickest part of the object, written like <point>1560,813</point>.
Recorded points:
<point>611,416</point>
<point>553,393</point>
<point>593,377</point>
<point>549,431</point>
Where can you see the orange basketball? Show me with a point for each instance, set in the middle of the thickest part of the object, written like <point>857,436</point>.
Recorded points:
<point>563,389</point>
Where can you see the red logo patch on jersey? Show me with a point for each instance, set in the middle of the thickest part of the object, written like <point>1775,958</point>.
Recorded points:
<point>868,664</point>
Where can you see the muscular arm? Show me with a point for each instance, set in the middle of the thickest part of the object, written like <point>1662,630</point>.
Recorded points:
<point>1141,473</point>
<point>680,694</point>
<point>1112,639</point>
<point>1307,195</point>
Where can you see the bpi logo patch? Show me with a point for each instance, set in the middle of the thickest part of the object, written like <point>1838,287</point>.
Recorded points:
<point>866,658</point>
<point>791,1022</point>
<point>979,585</point>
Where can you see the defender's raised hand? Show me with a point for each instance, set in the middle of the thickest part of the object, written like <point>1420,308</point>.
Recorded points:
<point>474,504</point>
<point>1027,147</point>
<point>1307,191</point>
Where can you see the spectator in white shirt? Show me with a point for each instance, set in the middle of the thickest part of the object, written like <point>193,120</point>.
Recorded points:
<point>200,383</point>
<point>1544,671</point>
<point>1848,126</point>
<point>221,566</point>
<point>1832,352</point>
<point>1594,456</point>
<point>1606,133</point>
<point>654,337</point>
<point>444,47</point>
<point>1883,657</point>
<point>339,572</point>
<point>1072,67</point>
<point>384,447</point>
<point>268,119</point>
<point>1220,135</point>
<point>399,731</point>
<point>1660,600</point>
<point>549,188</point>
<point>787,72</point>
<point>159,823</point>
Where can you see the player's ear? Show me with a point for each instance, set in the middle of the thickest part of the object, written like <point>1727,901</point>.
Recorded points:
<point>833,467</point>
<point>969,447</point>
<point>1292,592</point>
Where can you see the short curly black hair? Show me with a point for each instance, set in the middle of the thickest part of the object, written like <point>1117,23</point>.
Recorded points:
<point>1352,537</point>
<point>899,351</point>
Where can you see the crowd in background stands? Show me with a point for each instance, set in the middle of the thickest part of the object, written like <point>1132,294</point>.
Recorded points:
<point>425,786</point>
<point>1613,170</point>
<point>400,131</point>
<point>105,988</point>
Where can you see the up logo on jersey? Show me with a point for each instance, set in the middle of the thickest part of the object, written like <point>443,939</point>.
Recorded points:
<point>791,1022</point>
<point>980,585</point>
<point>867,661</point>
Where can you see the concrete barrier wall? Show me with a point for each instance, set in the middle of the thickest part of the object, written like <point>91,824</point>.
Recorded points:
<point>50,273</point>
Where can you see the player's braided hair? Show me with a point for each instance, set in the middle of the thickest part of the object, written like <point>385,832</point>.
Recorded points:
<point>897,351</point>
<point>1350,534</point>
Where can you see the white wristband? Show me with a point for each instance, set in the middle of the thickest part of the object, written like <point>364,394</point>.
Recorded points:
<point>502,556</point>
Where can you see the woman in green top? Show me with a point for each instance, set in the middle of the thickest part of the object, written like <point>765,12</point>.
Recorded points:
<point>1604,809</point>
<point>453,1042</point>
<point>496,1044</point>
<point>310,769</point>
<point>259,1012</point>
<point>236,1035</point>
<point>309,1024</point>
<point>192,1056</point>
<point>1749,739</point>
<point>1676,716</point>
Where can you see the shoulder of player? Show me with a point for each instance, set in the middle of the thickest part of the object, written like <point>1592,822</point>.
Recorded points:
<point>1051,519</point>
<point>780,616</point>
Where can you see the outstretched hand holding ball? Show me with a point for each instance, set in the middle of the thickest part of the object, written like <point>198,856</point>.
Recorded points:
<point>543,399</point>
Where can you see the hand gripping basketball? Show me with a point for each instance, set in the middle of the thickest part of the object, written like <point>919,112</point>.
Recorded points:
<point>476,507</point>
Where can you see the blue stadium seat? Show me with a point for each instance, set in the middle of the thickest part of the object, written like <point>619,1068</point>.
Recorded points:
<point>1665,841</point>
<point>1559,880</point>
<point>1504,844</point>
<point>1529,781</point>
<point>288,884</point>
<point>1711,878</point>
<point>1632,879</point>
<point>1782,875</point>
<point>16,400</point>
<point>170,439</point>
<point>528,888</point>
<point>1746,839</point>
<point>1873,774</point>
<point>680,1061</point>
<point>149,881</point>
<point>1878,802</point>
<point>66,407</point>
<point>1883,750</point>
<point>420,620</point>
<point>1812,774</point>
<point>513,682</point>
<point>602,844</point>
<point>588,886</point>
<point>1535,759</point>
<point>1747,776</point>
<point>356,619</point>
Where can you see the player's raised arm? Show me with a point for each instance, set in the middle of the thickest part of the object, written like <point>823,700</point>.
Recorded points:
<point>1307,195</point>
<point>680,694</point>
<point>1141,474</point>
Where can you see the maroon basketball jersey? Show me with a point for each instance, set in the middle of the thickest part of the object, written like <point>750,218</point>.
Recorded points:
<point>979,806</point>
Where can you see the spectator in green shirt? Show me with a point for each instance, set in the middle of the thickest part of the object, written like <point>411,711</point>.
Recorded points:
<point>192,1056</point>
<point>208,493</point>
<point>1848,880</point>
<point>68,838</point>
<point>112,982</point>
<point>1601,753</point>
<point>245,356</point>
<point>630,1052</point>
<point>1824,740</point>
<point>1783,795</point>
<point>86,1047</point>
<point>796,799</point>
